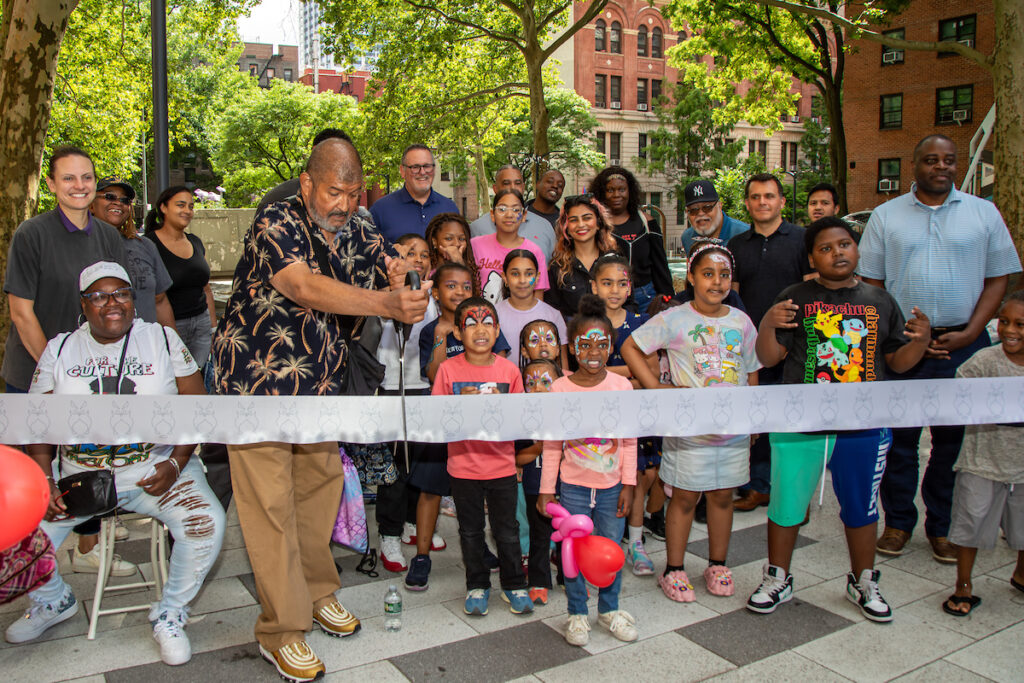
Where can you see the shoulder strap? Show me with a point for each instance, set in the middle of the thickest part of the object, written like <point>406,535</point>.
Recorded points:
<point>167,342</point>
<point>62,343</point>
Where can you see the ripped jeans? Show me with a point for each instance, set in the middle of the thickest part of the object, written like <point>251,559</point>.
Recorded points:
<point>193,516</point>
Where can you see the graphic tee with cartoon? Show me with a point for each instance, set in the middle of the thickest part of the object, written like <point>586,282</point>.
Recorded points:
<point>842,335</point>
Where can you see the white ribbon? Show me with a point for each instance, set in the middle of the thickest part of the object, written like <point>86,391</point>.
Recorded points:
<point>614,414</point>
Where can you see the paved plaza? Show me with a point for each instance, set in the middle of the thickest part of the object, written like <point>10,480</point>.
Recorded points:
<point>819,636</point>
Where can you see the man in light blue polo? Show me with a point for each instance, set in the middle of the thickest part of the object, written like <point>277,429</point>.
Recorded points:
<point>950,254</point>
<point>410,207</point>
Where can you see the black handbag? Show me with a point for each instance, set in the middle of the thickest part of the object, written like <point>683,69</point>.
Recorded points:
<point>363,373</point>
<point>88,494</point>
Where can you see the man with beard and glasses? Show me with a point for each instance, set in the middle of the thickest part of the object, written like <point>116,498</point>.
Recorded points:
<point>950,254</point>
<point>286,331</point>
<point>706,216</point>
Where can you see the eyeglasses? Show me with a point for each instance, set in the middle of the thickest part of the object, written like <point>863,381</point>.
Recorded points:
<point>100,299</point>
<point>420,168</point>
<point>696,209</point>
<point>502,210</point>
<point>111,197</point>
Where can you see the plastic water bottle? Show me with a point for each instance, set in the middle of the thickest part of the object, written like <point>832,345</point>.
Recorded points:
<point>393,609</point>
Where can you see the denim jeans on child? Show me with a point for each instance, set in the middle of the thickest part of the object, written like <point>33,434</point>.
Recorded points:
<point>193,516</point>
<point>600,505</point>
<point>500,496</point>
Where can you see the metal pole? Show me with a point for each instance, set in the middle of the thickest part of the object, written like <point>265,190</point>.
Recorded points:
<point>158,19</point>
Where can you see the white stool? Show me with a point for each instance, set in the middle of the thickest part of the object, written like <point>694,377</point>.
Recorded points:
<point>158,561</point>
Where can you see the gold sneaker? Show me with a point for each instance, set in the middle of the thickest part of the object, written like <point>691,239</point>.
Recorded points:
<point>295,662</point>
<point>335,620</point>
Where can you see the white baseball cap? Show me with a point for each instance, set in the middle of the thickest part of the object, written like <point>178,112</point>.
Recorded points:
<point>100,270</point>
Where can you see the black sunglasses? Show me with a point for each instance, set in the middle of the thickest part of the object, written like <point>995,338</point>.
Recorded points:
<point>111,197</point>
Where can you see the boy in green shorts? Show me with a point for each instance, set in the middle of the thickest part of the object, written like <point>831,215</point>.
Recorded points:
<point>833,328</point>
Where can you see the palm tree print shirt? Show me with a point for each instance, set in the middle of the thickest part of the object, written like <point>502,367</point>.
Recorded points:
<point>266,344</point>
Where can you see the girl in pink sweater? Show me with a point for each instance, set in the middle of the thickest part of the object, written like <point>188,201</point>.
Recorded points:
<point>598,475</point>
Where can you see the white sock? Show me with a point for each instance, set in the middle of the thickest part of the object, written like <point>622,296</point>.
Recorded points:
<point>636,533</point>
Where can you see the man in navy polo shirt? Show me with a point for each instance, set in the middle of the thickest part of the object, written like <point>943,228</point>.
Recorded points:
<point>410,207</point>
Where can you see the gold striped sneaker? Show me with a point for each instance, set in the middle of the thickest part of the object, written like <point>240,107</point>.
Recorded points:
<point>295,662</point>
<point>335,620</point>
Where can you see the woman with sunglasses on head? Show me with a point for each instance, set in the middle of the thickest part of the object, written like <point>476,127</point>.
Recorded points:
<point>113,353</point>
<point>185,258</point>
<point>639,237</point>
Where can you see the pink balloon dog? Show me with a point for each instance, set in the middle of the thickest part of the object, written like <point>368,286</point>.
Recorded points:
<point>567,529</point>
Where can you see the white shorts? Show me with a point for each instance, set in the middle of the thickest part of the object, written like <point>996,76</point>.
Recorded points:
<point>705,468</point>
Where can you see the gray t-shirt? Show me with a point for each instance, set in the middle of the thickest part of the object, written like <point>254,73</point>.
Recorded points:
<point>992,451</point>
<point>149,276</point>
<point>533,228</point>
<point>43,265</point>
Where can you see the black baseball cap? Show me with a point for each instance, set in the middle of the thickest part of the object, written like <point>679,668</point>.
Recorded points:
<point>700,191</point>
<point>109,181</point>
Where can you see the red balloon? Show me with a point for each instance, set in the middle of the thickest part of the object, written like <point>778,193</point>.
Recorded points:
<point>599,559</point>
<point>24,496</point>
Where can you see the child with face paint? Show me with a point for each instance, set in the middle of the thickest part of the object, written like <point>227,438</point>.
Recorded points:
<point>708,344</point>
<point>491,250</point>
<point>611,282</point>
<point>540,340</point>
<point>538,376</point>
<point>448,237</point>
<point>483,473</point>
<point>523,306</point>
<point>598,475</point>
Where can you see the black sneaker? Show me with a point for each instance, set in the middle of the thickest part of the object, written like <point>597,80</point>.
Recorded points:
<point>490,560</point>
<point>865,594</point>
<point>776,588</point>
<point>655,525</point>
<point>419,572</point>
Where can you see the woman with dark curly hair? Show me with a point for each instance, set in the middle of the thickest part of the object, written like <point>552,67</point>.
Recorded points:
<point>639,237</point>
<point>584,234</point>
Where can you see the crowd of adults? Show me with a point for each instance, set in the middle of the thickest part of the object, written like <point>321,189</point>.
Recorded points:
<point>82,285</point>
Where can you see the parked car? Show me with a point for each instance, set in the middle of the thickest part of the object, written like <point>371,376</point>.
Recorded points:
<point>858,219</point>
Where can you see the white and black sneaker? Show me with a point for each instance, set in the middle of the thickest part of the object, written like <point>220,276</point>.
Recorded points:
<point>776,588</point>
<point>865,594</point>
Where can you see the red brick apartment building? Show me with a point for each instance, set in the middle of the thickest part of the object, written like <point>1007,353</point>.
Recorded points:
<point>892,98</point>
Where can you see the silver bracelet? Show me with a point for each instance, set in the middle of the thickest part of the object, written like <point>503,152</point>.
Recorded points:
<point>177,467</point>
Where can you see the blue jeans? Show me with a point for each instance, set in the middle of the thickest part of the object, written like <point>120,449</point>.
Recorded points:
<point>899,485</point>
<point>600,505</point>
<point>195,333</point>
<point>643,296</point>
<point>195,520</point>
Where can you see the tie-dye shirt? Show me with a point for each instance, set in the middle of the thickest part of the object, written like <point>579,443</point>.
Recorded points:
<point>595,463</point>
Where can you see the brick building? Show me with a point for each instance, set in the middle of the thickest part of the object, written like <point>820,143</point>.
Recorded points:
<point>892,98</point>
<point>263,62</point>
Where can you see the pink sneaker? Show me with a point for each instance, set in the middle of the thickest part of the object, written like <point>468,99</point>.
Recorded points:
<point>719,581</point>
<point>677,587</point>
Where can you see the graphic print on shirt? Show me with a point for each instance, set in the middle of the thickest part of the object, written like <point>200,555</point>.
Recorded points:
<point>595,454</point>
<point>717,357</point>
<point>480,387</point>
<point>840,342</point>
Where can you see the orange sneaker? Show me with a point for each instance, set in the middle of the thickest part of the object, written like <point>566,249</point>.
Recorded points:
<point>539,596</point>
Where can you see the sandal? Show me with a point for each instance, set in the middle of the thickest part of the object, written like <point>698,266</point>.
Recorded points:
<point>959,600</point>
<point>677,587</point>
<point>1017,584</point>
<point>719,581</point>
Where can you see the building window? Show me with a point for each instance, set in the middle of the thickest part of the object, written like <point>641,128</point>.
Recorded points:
<point>891,115</point>
<point>793,152</point>
<point>599,29</point>
<point>680,210</point>
<point>888,175</point>
<point>641,42</point>
<point>954,105</point>
<point>599,141</point>
<point>600,90</point>
<point>615,148</point>
<point>961,29</point>
<point>270,72</point>
<point>782,158</point>
<point>641,94</point>
<point>288,74</point>
<point>654,199</point>
<point>615,39</point>
<point>254,69</point>
<point>655,90</point>
<point>616,92</point>
<point>642,146</point>
<point>446,176</point>
<point>758,147</point>
<point>893,55</point>
<point>656,43</point>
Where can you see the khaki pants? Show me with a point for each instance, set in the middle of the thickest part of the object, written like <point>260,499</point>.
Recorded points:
<point>287,498</point>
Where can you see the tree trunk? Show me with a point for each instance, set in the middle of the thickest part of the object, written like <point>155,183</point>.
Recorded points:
<point>1008,82</point>
<point>837,143</point>
<point>539,118</point>
<point>30,35</point>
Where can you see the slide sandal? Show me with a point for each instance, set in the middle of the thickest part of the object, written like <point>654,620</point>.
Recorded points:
<point>1017,584</point>
<point>972,601</point>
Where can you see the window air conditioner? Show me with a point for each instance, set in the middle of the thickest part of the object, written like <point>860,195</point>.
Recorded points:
<point>959,115</point>
<point>794,119</point>
<point>616,105</point>
<point>969,42</point>
<point>886,185</point>
<point>614,162</point>
<point>890,57</point>
<point>641,107</point>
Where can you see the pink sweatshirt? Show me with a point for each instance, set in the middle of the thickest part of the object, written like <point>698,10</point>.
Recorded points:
<point>593,463</point>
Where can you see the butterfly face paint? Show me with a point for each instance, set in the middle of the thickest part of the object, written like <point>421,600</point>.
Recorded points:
<point>541,342</point>
<point>538,380</point>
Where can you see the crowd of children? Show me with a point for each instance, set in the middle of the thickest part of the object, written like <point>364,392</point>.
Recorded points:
<point>489,331</point>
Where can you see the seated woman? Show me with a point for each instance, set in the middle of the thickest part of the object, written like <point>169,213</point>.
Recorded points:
<point>113,353</point>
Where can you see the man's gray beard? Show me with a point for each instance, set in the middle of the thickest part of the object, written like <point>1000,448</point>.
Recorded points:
<point>714,226</point>
<point>322,222</point>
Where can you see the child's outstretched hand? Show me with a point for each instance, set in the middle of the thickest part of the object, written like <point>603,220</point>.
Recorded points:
<point>542,503</point>
<point>919,328</point>
<point>625,501</point>
<point>781,315</point>
<point>452,253</point>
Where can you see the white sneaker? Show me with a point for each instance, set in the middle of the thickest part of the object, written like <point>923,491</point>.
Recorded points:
<point>776,588</point>
<point>621,624</point>
<point>120,530</point>
<point>169,632</point>
<point>391,554</point>
<point>437,543</point>
<point>89,563</point>
<point>38,618</point>
<point>577,632</point>
<point>865,594</point>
